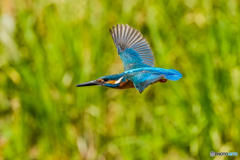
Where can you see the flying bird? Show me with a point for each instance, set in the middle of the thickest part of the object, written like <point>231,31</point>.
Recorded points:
<point>138,61</point>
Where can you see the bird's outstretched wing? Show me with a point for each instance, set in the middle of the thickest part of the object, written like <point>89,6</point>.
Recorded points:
<point>132,47</point>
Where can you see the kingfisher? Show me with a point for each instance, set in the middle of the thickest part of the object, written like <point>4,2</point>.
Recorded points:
<point>138,61</point>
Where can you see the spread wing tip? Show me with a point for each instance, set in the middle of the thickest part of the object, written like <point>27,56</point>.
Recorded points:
<point>128,37</point>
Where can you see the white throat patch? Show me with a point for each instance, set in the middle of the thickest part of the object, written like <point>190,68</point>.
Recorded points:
<point>119,80</point>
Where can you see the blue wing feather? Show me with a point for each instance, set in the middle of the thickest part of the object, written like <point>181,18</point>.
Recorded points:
<point>131,59</point>
<point>133,49</point>
<point>143,79</point>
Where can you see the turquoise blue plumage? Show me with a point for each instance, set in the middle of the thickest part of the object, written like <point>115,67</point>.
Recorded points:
<point>138,62</point>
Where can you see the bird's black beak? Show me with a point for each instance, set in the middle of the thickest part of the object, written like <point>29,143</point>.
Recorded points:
<point>91,83</point>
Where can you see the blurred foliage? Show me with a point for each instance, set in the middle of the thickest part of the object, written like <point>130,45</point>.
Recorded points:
<point>47,47</point>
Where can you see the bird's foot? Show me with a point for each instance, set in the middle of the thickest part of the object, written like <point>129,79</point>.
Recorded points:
<point>163,80</point>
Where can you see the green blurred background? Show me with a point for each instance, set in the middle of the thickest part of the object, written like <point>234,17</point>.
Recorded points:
<point>47,47</point>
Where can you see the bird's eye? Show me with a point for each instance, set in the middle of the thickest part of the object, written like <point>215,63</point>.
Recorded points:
<point>105,79</point>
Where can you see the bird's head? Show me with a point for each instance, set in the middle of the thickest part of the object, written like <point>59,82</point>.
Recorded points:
<point>112,81</point>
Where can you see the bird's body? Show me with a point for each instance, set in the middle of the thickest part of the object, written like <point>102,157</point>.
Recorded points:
<point>138,61</point>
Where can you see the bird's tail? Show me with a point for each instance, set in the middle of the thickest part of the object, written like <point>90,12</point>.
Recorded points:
<point>173,75</point>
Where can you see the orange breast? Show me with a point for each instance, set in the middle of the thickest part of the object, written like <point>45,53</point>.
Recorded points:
<point>125,85</point>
